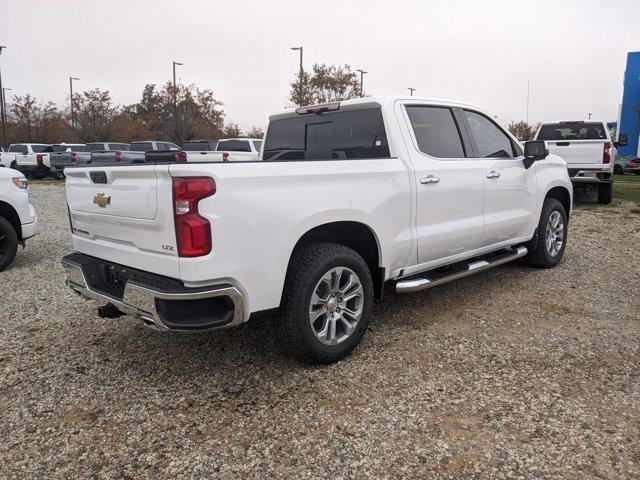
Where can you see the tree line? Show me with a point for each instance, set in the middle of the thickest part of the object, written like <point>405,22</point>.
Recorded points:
<point>168,112</point>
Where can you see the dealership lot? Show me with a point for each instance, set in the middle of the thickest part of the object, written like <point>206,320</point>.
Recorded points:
<point>513,372</point>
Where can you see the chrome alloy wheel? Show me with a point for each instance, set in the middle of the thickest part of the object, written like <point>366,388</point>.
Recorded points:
<point>336,306</point>
<point>554,233</point>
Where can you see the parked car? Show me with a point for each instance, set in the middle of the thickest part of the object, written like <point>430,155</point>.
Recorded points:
<point>135,154</point>
<point>27,158</point>
<point>626,164</point>
<point>588,149</point>
<point>56,149</point>
<point>18,220</point>
<point>380,189</point>
<point>80,155</point>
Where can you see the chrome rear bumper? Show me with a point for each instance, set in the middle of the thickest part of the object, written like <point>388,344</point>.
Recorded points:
<point>143,302</point>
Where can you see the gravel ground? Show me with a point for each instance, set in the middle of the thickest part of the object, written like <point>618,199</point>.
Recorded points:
<point>513,373</point>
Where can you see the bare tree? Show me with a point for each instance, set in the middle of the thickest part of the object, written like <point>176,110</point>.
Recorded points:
<point>231,130</point>
<point>255,132</point>
<point>33,121</point>
<point>95,115</point>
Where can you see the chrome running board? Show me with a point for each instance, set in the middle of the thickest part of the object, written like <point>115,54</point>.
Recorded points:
<point>435,277</point>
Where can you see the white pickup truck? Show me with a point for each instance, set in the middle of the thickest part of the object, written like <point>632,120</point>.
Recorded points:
<point>229,150</point>
<point>348,197</point>
<point>29,158</point>
<point>18,220</point>
<point>588,149</point>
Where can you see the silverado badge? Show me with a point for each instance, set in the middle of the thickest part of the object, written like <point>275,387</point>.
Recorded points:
<point>101,200</point>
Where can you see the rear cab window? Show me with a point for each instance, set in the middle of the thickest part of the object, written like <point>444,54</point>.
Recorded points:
<point>141,147</point>
<point>18,149</point>
<point>340,135</point>
<point>233,146</point>
<point>38,148</point>
<point>566,131</point>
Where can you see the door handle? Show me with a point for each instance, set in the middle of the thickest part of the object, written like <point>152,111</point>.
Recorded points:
<point>493,174</point>
<point>429,179</point>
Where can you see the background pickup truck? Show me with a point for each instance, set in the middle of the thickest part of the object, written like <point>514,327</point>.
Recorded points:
<point>588,149</point>
<point>27,158</point>
<point>135,154</point>
<point>80,155</point>
<point>229,150</point>
<point>373,191</point>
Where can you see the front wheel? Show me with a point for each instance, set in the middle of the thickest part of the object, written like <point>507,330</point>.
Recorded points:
<point>326,303</point>
<point>8,243</point>
<point>547,245</point>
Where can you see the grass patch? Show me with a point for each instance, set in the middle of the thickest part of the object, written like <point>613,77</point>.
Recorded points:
<point>627,178</point>
<point>629,191</point>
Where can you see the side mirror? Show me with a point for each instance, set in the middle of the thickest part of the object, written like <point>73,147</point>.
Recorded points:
<point>623,140</point>
<point>534,151</point>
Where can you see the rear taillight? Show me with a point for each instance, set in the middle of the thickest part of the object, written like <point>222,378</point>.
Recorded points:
<point>225,156</point>
<point>606,153</point>
<point>74,159</point>
<point>180,157</point>
<point>118,157</point>
<point>193,232</point>
<point>39,158</point>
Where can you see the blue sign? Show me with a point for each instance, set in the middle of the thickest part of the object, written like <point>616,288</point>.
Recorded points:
<point>630,111</point>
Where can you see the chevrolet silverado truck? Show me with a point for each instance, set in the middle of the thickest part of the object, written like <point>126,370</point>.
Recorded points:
<point>133,154</point>
<point>371,192</point>
<point>79,154</point>
<point>226,150</point>
<point>18,220</point>
<point>27,158</point>
<point>588,149</point>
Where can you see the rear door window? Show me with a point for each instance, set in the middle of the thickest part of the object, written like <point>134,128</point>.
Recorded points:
<point>491,141</point>
<point>572,131</point>
<point>341,135</point>
<point>436,131</point>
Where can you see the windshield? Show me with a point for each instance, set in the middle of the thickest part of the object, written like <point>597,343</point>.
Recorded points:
<point>572,131</point>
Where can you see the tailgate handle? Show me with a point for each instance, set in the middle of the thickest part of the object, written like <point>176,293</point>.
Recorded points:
<point>563,144</point>
<point>98,177</point>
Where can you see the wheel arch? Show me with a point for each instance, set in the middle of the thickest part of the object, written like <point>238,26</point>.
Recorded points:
<point>355,235</point>
<point>563,195</point>
<point>8,212</point>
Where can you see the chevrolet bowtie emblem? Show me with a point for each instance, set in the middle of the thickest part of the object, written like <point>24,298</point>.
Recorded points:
<point>101,200</point>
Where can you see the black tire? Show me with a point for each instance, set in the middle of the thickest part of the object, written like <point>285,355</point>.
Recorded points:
<point>308,266</point>
<point>605,193</point>
<point>8,243</point>
<point>538,256</point>
<point>14,165</point>
<point>637,173</point>
<point>618,170</point>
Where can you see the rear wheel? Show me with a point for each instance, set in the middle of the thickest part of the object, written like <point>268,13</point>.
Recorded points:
<point>618,170</point>
<point>605,193</point>
<point>8,243</point>
<point>547,245</point>
<point>326,303</point>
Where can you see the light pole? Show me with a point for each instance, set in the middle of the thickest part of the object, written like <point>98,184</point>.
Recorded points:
<point>3,116</point>
<point>300,73</point>
<point>589,116</point>
<point>528,88</point>
<point>362,72</point>
<point>175,97</point>
<point>4,98</point>
<point>73,119</point>
<point>411,90</point>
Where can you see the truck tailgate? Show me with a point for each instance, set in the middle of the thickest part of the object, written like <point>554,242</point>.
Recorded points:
<point>578,153</point>
<point>114,215</point>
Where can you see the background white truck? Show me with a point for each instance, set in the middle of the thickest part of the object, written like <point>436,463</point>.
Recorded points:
<point>18,220</point>
<point>348,196</point>
<point>588,149</point>
<point>26,157</point>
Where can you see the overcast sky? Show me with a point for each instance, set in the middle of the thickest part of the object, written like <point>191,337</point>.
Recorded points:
<point>479,52</point>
